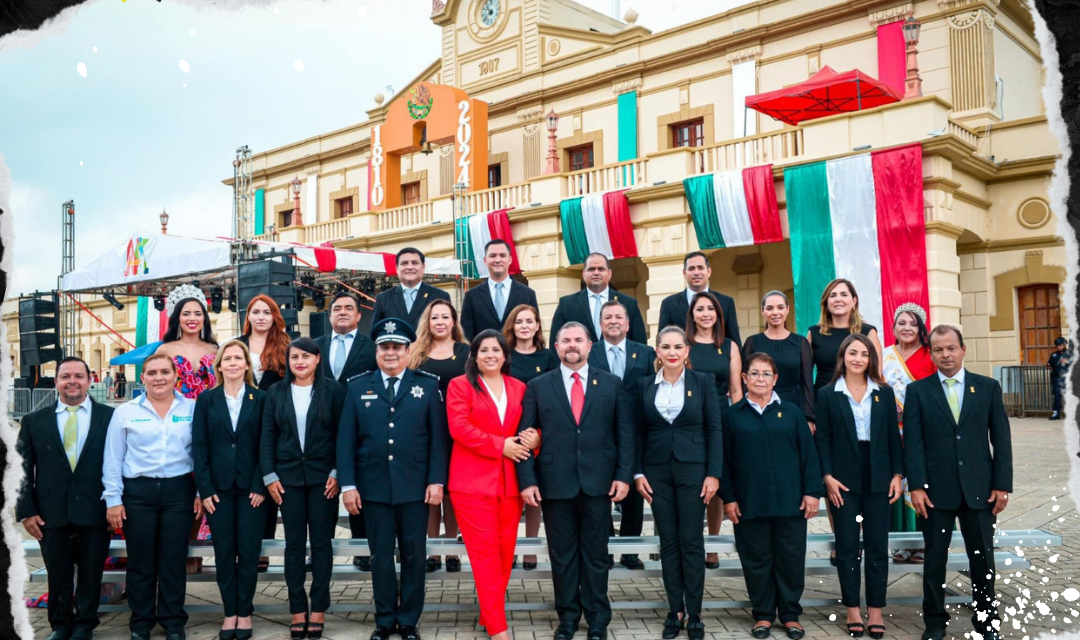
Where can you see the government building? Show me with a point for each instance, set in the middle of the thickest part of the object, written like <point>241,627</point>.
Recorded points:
<point>640,115</point>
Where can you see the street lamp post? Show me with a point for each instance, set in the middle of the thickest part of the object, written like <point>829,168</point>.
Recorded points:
<point>912,83</point>
<point>296,219</point>
<point>164,220</point>
<point>553,151</point>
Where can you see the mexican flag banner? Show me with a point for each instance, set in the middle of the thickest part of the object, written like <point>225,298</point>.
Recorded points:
<point>477,230</point>
<point>734,208</point>
<point>597,223</point>
<point>860,218</point>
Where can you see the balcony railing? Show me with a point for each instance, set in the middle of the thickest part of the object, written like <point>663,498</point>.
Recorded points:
<point>325,231</point>
<point>767,148</point>
<point>408,216</point>
<point>510,196</point>
<point>622,175</point>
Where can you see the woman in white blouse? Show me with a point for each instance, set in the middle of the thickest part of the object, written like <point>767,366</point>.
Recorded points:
<point>679,461</point>
<point>225,444</point>
<point>150,493</point>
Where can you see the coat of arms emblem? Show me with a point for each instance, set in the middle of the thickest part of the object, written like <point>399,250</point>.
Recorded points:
<point>420,103</point>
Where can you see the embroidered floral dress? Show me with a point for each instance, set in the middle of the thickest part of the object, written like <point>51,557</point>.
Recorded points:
<point>191,382</point>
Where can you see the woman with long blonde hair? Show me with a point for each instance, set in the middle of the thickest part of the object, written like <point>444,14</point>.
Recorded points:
<point>839,318</point>
<point>440,349</point>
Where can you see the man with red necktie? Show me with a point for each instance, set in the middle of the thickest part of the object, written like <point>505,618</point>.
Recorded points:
<point>584,465</point>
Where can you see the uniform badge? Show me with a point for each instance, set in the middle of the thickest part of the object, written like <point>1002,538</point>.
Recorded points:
<point>417,392</point>
<point>367,404</point>
<point>390,327</point>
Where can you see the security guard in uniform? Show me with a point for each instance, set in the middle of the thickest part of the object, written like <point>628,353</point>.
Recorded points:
<point>393,459</point>
<point>1059,373</point>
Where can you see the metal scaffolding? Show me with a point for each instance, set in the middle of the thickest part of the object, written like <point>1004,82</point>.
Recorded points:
<point>67,309</point>
<point>461,238</point>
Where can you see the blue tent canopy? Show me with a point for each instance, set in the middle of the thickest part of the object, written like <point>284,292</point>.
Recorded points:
<point>135,356</point>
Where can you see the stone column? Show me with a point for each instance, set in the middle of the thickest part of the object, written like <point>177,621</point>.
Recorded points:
<point>665,278</point>
<point>971,60</point>
<point>550,285</point>
<point>748,267</point>
<point>943,272</point>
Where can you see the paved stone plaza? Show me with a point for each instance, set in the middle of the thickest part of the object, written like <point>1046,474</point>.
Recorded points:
<point>1040,500</point>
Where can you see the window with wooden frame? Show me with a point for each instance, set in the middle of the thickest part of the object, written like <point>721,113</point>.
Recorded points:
<point>494,176</point>
<point>410,193</point>
<point>344,206</point>
<point>688,134</point>
<point>581,157</point>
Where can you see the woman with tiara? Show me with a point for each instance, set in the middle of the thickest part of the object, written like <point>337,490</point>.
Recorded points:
<point>189,341</point>
<point>904,362</point>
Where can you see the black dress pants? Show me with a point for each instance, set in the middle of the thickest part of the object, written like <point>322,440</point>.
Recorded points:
<point>977,528</point>
<point>876,515</point>
<point>578,546</point>
<point>773,556</point>
<point>678,511</point>
<point>407,525</point>
<point>1057,386</point>
<point>270,511</point>
<point>305,514</point>
<point>160,512</point>
<point>73,601</point>
<point>632,509</point>
<point>236,530</point>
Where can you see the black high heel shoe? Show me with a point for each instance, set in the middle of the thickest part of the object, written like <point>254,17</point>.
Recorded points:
<point>315,629</point>
<point>298,630</point>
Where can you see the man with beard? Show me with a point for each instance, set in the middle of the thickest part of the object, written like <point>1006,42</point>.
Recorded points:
<point>60,505</point>
<point>586,423</point>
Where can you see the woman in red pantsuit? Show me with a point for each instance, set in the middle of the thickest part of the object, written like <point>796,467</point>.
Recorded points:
<point>484,407</point>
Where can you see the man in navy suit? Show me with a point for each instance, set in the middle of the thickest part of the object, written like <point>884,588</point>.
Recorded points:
<point>60,504</point>
<point>394,459</point>
<point>696,271</point>
<point>630,361</point>
<point>584,306</point>
<point>487,305</point>
<point>958,455</point>
<point>585,421</point>
<point>409,299</point>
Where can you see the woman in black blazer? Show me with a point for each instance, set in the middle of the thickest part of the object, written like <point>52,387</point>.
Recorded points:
<point>771,486</point>
<point>862,461</point>
<point>300,423</point>
<point>225,431</point>
<point>677,470</point>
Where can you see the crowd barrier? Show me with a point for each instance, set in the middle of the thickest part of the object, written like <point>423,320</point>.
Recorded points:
<point>1026,390</point>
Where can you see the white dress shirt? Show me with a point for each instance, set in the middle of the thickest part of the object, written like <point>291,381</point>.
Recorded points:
<point>349,337</point>
<point>609,351</point>
<point>142,444</point>
<point>506,288</point>
<point>775,399</point>
<point>82,423</point>
<point>256,369</point>
<point>301,401</point>
<point>405,293</point>
<point>568,381</point>
<point>500,402</point>
<point>234,405</point>
<point>861,410</point>
<point>670,397</point>
<point>959,377</point>
<point>690,293</point>
<point>605,296</point>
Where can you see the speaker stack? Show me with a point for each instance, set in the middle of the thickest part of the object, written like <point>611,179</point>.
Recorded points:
<point>39,341</point>
<point>274,278</point>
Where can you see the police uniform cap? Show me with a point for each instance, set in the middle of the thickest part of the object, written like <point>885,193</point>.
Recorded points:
<point>393,330</point>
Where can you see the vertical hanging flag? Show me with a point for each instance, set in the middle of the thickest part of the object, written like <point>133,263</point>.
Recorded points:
<point>859,218</point>
<point>734,208</point>
<point>475,231</point>
<point>597,223</point>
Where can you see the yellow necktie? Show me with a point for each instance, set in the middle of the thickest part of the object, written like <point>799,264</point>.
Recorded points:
<point>954,400</point>
<point>71,435</point>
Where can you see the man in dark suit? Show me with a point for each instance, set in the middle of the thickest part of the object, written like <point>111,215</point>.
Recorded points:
<point>697,272</point>
<point>487,304</point>
<point>60,505</point>
<point>408,300</point>
<point>630,361</point>
<point>347,353</point>
<point>584,306</point>
<point>394,456</point>
<point>585,421</point>
<point>958,451</point>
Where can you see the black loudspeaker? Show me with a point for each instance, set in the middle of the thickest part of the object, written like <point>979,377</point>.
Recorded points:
<point>318,324</point>
<point>273,278</point>
<point>38,339</point>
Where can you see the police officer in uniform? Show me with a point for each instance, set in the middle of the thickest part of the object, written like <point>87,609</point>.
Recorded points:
<point>393,460</point>
<point>1059,372</point>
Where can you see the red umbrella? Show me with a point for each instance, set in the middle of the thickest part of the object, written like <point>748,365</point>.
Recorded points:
<point>826,93</point>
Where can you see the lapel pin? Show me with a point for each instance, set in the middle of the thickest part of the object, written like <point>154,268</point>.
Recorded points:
<point>369,392</point>
<point>425,295</point>
<point>689,394</point>
<point>594,382</point>
<point>538,369</point>
<point>779,414</point>
<point>972,389</point>
<point>719,351</point>
<point>634,356</point>
<point>876,398</point>
<point>454,357</point>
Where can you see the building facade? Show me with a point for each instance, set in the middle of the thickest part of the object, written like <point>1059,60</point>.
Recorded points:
<point>643,111</point>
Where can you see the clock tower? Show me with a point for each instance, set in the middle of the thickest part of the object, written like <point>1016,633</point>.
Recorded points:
<point>488,41</point>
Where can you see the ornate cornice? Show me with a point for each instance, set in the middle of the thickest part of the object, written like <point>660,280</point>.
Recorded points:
<point>530,113</point>
<point>891,14</point>
<point>968,19</point>
<point>948,5</point>
<point>626,85</point>
<point>743,54</point>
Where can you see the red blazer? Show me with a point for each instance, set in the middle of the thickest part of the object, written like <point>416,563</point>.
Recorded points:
<point>477,463</point>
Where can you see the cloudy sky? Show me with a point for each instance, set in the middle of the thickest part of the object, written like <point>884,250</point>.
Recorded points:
<point>132,107</point>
